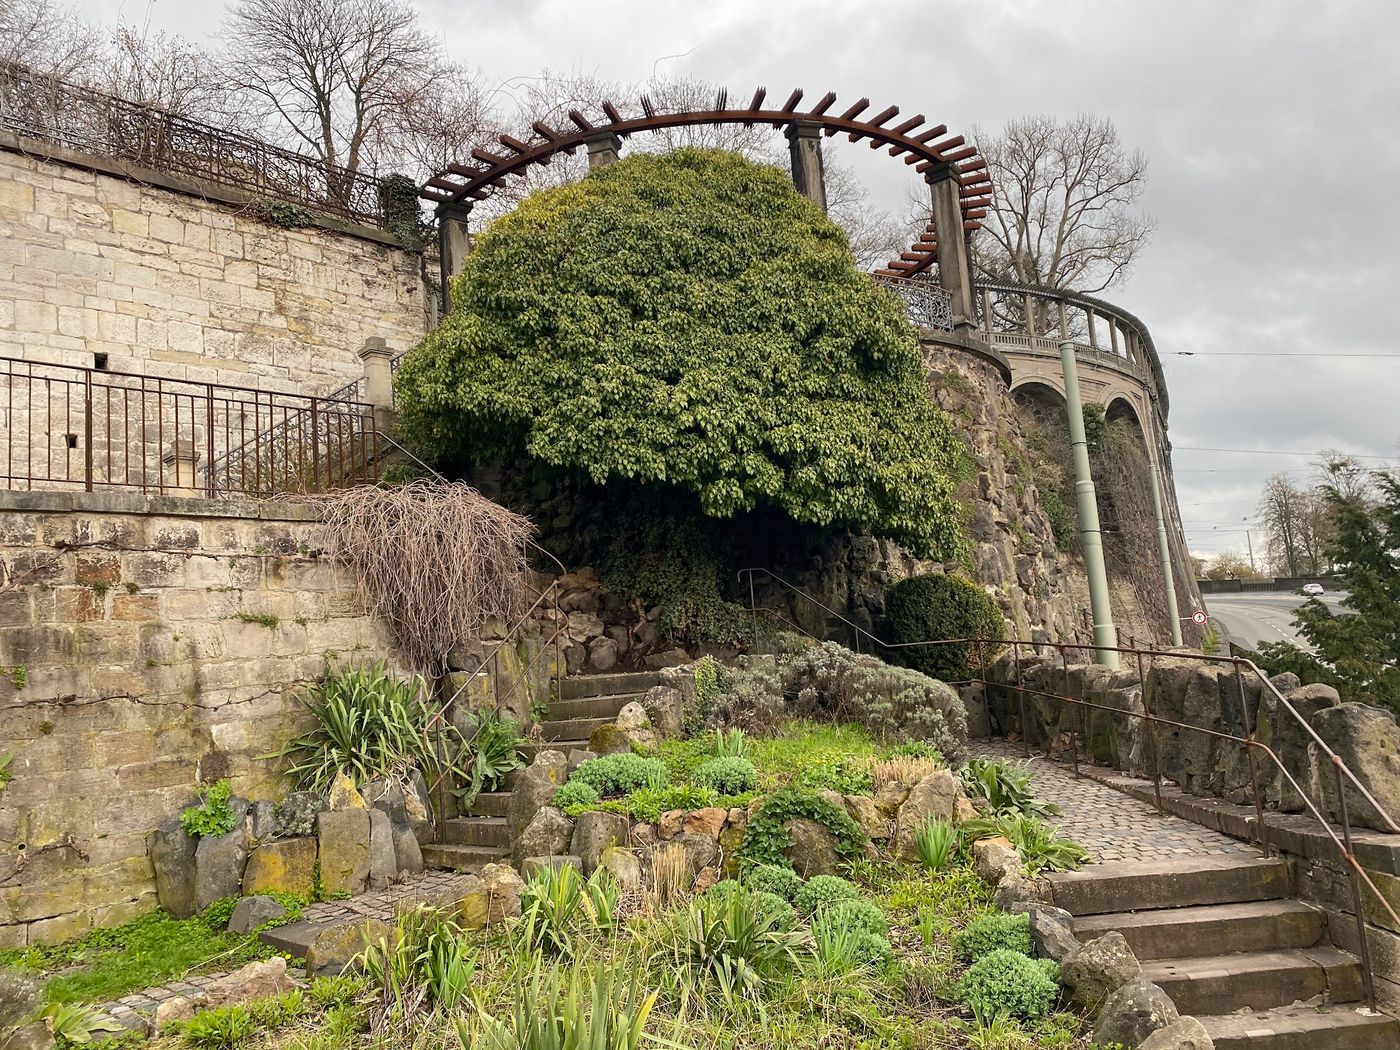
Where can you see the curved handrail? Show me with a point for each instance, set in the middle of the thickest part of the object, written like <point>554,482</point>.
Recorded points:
<point>1102,308</point>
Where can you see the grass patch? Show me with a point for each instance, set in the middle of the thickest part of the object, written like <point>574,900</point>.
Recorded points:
<point>109,963</point>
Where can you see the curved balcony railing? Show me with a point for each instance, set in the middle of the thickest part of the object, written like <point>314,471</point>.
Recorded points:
<point>927,304</point>
<point>1016,318</point>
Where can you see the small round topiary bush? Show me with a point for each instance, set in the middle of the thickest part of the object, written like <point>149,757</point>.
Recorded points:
<point>994,932</point>
<point>1006,980</point>
<point>728,775</point>
<point>821,891</point>
<point>873,950</point>
<point>576,794</point>
<point>859,914</point>
<point>939,607</point>
<point>775,879</point>
<point>771,904</point>
<point>621,774</point>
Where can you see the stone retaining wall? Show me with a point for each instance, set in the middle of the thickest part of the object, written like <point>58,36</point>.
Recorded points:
<point>147,645</point>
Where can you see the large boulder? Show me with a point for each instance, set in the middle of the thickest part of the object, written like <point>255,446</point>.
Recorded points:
<point>1367,739</point>
<point>707,821</point>
<point>534,788</point>
<point>20,1000</point>
<point>172,854</point>
<point>994,859</point>
<point>334,945</point>
<point>700,851</point>
<point>408,854</point>
<point>866,813</point>
<point>1288,738</point>
<point>548,834</point>
<point>624,866</point>
<point>344,849</point>
<point>632,722</point>
<point>813,848</point>
<point>1133,1013</point>
<point>1185,1033</point>
<point>1095,970</point>
<point>491,897</point>
<point>595,832</point>
<point>608,739</point>
<point>344,794</point>
<point>296,814</point>
<point>219,860</point>
<point>666,709</point>
<point>933,797</point>
<point>1052,930</point>
<point>252,912</point>
<point>602,654</point>
<point>257,980</point>
<point>281,866</point>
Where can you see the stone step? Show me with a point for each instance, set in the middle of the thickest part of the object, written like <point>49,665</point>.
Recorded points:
<point>461,858</point>
<point>1132,885</point>
<point>1171,933</point>
<point>571,728</point>
<point>490,804</point>
<point>531,748</point>
<point>1347,1027</point>
<point>593,706</point>
<point>1223,984</point>
<point>476,831</point>
<point>587,685</point>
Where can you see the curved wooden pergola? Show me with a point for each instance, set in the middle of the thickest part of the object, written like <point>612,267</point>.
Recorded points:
<point>930,150</point>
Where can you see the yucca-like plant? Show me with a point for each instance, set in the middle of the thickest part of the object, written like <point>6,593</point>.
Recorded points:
<point>733,943</point>
<point>369,724</point>
<point>427,962</point>
<point>936,841</point>
<point>729,743</point>
<point>489,751</point>
<point>1042,848</point>
<point>557,902</point>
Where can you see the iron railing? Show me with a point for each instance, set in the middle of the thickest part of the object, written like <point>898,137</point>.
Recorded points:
<point>926,303</point>
<point>83,428</point>
<point>40,107</point>
<point>1255,750</point>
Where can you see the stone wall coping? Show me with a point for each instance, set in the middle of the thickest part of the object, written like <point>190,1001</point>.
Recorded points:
<point>190,187</point>
<point>61,502</point>
<point>960,343</point>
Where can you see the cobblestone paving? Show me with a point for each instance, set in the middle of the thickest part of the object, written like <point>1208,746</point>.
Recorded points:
<point>131,1011</point>
<point>1108,823</point>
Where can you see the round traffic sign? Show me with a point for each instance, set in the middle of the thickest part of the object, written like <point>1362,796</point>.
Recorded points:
<point>1199,618</point>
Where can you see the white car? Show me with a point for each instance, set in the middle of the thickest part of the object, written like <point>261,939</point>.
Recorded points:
<point>1312,590</point>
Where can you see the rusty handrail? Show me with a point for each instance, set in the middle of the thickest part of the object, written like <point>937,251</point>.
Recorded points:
<point>1342,772</point>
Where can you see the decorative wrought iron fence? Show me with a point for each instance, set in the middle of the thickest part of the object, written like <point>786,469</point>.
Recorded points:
<point>927,304</point>
<point>66,114</point>
<point>80,428</point>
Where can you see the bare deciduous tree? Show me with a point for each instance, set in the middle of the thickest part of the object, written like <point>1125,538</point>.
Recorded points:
<point>46,37</point>
<point>1229,565</point>
<point>1065,211</point>
<point>1298,526</point>
<point>164,71</point>
<point>330,74</point>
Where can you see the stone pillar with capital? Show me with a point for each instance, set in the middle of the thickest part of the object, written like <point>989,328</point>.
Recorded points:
<point>454,242</point>
<point>604,148</point>
<point>954,263</point>
<point>808,170</point>
<point>379,380</point>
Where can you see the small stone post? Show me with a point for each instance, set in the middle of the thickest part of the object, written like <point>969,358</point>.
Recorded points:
<point>180,470</point>
<point>954,265</point>
<point>454,242</point>
<point>604,148</point>
<point>379,380</point>
<point>808,169</point>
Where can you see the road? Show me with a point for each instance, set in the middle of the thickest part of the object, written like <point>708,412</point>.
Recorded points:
<point>1262,616</point>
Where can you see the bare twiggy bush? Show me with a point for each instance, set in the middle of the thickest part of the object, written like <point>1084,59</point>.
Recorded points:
<point>903,771</point>
<point>433,560</point>
<point>670,873</point>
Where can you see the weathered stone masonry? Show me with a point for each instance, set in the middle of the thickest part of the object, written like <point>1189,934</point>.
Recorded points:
<point>147,644</point>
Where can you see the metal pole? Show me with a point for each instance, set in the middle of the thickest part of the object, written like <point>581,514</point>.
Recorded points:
<point>1151,737</point>
<point>1362,945</point>
<point>1164,551</point>
<point>1090,539</point>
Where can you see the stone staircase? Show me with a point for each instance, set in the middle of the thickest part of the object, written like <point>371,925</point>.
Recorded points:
<point>479,837</point>
<point>1222,936</point>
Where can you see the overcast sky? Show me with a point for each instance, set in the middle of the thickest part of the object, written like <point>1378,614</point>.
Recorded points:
<point>1272,128</point>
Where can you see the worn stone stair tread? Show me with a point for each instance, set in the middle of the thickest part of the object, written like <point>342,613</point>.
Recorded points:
<point>1348,1026</point>
<point>571,728</point>
<point>1219,984</point>
<point>534,747</point>
<point>476,830</point>
<point>293,938</point>
<point>1135,885</point>
<point>1248,926</point>
<point>581,686</point>
<point>593,706</point>
<point>491,804</point>
<point>461,858</point>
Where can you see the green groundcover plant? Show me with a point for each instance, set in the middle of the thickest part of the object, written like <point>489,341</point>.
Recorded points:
<point>689,319</point>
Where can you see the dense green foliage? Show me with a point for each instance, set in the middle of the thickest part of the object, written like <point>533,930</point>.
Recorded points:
<point>1041,846</point>
<point>1358,651</point>
<point>689,319</point>
<point>1006,980</point>
<point>942,607</point>
<point>992,932</point>
<point>728,775</point>
<point>487,753</point>
<point>621,774</point>
<point>776,879</point>
<point>213,815</point>
<point>1003,787</point>
<point>765,840</point>
<point>576,793</point>
<point>821,891</point>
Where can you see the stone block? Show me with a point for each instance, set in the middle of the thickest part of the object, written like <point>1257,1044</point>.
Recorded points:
<point>281,866</point>
<point>219,862</point>
<point>252,912</point>
<point>344,849</point>
<point>596,832</point>
<point>383,863</point>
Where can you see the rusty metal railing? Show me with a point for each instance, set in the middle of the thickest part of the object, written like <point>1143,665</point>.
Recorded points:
<point>68,427</point>
<point>1255,749</point>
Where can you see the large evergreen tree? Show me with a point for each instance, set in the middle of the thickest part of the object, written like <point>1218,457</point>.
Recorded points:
<point>690,320</point>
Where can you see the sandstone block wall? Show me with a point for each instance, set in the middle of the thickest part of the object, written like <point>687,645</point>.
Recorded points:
<point>146,645</point>
<point>168,282</point>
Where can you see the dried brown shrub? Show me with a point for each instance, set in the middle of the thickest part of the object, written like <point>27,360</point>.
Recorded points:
<point>903,770</point>
<point>433,559</point>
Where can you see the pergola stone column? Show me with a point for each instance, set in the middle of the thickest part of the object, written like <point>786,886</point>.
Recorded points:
<point>454,242</point>
<point>954,263</point>
<point>379,379</point>
<point>603,149</point>
<point>808,170</point>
